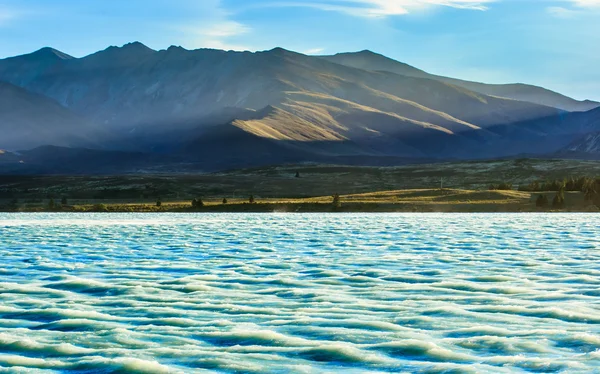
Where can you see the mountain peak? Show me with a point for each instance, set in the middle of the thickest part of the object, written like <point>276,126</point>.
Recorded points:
<point>137,46</point>
<point>129,50</point>
<point>48,53</point>
<point>279,51</point>
<point>368,52</point>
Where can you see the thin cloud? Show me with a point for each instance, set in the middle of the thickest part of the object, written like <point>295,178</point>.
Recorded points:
<point>560,12</point>
<point>586,3</point>
<point>213,28</point>
<point>217,35</point>
<point>314,51</point>
<point>382,8</point>
<point>6,16</point>
<point>224,29</point>
<point>578,8</point>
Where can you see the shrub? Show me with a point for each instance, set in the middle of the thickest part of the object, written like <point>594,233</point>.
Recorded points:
<point>501,187</point>
<point>542,201</point>
<point>99,208</point>
<point>337,201</point>
<point>197,203</point>
<point>224,200</point>
<point>159,203</point>
<point>51,204</point>
<point>251,199</point>
<point>559,200</point>
<point>297,174</point>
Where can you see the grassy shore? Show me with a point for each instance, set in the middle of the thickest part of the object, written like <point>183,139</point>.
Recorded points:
<point>306,188</point>
<point>417,200</point>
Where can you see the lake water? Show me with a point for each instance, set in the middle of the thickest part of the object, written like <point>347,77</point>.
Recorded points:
<point>279,293</point>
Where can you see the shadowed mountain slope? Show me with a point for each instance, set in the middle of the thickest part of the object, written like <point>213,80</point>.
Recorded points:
<point>28,120</point>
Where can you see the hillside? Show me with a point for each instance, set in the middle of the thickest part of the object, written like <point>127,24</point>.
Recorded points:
<point>28,120</point>
<point>368,60</point>
<point>203,110</point>
<point>134,88</point>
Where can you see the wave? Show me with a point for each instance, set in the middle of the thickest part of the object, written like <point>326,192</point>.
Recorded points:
<point>299,293</point>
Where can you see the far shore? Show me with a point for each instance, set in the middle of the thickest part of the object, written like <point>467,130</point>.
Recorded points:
<point>402,201</point>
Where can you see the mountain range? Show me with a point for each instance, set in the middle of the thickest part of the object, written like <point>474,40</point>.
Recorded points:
<point>134,109</point>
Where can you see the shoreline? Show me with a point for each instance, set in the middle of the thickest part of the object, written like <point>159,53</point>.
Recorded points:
<point>398,201</point>
<point>313,208</point>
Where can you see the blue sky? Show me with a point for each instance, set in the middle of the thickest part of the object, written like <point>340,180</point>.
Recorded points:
<point>552,43</point>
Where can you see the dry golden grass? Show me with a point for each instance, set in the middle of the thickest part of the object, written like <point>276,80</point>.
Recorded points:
<point>422,200</point>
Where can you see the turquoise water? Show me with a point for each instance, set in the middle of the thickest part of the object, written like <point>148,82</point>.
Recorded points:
<point>277,293</point>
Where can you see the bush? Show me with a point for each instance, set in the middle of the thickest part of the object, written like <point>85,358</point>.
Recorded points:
<point>581,184</point>
<point>99,208</point>
<point>559,200</point>
<point>251,199</point>
<point>337,201</point>
<point>501,187</point>
<point>224,200</point>
<point>197,203</point>
<point>159,203</point>
<point>542,201</point>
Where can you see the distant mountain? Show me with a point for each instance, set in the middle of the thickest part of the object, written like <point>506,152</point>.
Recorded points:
<point>29,120</point>
<point>136,89</point>
<point>539,137</point>
<point>368,60</point>
<point>588,145</point>
<point>131,108</point>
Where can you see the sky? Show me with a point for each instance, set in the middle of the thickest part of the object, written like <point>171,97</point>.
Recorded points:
<point>550,43</point>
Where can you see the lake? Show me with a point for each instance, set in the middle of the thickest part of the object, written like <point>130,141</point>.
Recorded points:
<point>300,293</point>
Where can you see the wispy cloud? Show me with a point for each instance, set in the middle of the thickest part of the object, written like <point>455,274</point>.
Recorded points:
<point>560,12</point>
<point>6,16</point>
<point>577,8</point>
<point>313,51</point>
<point>217,35</point>
<point>586,3</point>
<point>211,25</point>
<point>382,8</point>
<point>224,29</point>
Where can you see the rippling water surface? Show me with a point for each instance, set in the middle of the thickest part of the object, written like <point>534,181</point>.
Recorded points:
<point>299,293</point>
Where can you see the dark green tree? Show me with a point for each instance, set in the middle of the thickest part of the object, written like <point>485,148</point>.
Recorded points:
<point>197,203</point>
<point>51,204</point>
<point>224,200</point>
<point>159,202</point>
<point>64,201</point>
<point>297,174</point>
<point>251,199</point>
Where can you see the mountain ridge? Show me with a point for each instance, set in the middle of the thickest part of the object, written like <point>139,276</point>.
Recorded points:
<point>519,91</point>
<point>207,109</point>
